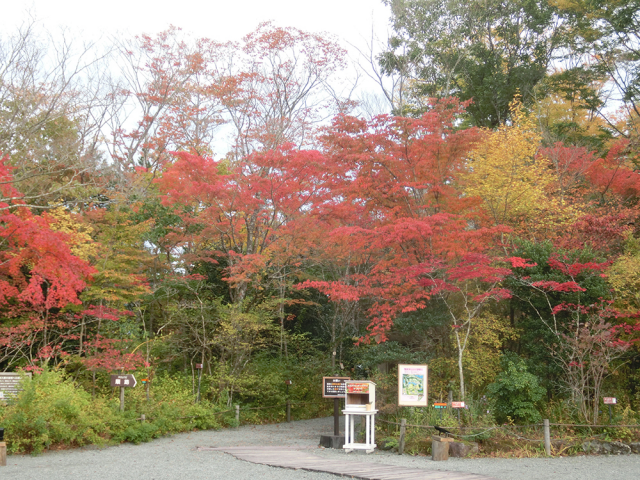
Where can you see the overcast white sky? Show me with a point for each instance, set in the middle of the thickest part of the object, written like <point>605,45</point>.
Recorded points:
<point>351,20</point>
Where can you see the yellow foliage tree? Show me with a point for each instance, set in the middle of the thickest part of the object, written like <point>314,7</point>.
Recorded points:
<point>490,333</point>
<point>624,276</point>
<point>515,183</point>
<point>78,232</point>
<point>121,260</point>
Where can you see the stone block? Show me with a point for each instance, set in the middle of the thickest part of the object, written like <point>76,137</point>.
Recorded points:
<point>332,441</point>
<point>440,448</point>
<point>461,450</point>
<point>606,448</point>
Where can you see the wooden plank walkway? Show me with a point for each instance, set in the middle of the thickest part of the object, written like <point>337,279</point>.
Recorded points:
<point>298,459</point>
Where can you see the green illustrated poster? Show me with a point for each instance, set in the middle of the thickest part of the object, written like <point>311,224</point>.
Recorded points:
<point>412,385</point>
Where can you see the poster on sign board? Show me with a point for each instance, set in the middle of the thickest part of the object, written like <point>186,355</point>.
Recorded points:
<point>334,387</point>
<point>412,385</point>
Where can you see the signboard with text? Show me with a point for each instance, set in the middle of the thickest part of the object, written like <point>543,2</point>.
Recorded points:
<point>610,400</point>
<point>457,404</point>
<point>334,387</point>
<point>123,380</point>
<point>354,387</point>
<point>412,385</point>
<point>10,384</point>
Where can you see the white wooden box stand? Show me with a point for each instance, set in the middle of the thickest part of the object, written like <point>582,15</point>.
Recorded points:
<point>369,432</point>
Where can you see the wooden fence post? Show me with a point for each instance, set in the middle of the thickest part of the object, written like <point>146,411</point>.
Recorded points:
<point>403,429</point>
<point>547,436</point>
<point>3,454</point>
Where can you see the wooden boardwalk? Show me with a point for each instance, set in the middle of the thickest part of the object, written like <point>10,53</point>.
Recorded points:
<point>298,459</point>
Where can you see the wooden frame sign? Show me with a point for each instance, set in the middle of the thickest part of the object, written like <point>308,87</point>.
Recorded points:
<point>334,387</point>
<point>412,385</point>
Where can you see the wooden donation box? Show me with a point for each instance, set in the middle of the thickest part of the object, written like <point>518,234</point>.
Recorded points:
<point>360,400</point>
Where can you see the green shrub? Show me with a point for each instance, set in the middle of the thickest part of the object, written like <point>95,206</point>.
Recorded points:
<point>51,410</point>
<point>139,432</point>
<point>516,393</point>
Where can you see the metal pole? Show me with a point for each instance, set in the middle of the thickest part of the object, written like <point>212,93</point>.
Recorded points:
<point>336,417</point>
<point>238,415</point>
<point>547,436</point>
<point>199,380</point>
<point>403,429</point>
<point>288,404</point>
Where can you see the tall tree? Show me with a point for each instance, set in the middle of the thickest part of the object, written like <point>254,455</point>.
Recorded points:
<point>39,276</point>
<point>607,34</point>
<point>394,188</point>
<point>244,212</point>
<point>52,110</point>
<point>484,51</point>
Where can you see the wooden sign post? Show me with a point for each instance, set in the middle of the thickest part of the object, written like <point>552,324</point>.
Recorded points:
<point>334,387</point>
<point>610,401</point>
<point>199,368</point>
<point>123,381</point>
<point>287,383</point>
<point>439,406</point>
<point>457,406</point>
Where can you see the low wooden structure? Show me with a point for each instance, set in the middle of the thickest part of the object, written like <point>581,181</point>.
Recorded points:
<point>300,458</point>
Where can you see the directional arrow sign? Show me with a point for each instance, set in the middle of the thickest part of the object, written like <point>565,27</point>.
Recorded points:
<point>123,380</point>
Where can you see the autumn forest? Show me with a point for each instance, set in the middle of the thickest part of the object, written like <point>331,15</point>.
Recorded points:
<point>169,201</point>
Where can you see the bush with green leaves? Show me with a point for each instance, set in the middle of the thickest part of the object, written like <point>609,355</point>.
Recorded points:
<point>171,407</point>
<point>52,410</point>
<point>516,394</point>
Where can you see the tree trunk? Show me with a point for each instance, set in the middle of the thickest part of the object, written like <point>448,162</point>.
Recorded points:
<point>333,343</point>
<point>460,369</point>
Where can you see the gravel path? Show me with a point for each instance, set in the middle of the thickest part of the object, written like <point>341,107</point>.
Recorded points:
<point>177,457</point>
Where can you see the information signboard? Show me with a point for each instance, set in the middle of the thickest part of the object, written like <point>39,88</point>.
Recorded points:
<point>334,387</point>
<point>610,400</point>
<point>123,380</point>
<point>10,384</point>
<point>412,385</point>
<point>457,404</point>
<point>358,387</point>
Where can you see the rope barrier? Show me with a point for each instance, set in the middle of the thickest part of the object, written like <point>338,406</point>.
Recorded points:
<point>281,405</point>
<point>592,426</point>
<point>506,429</point>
